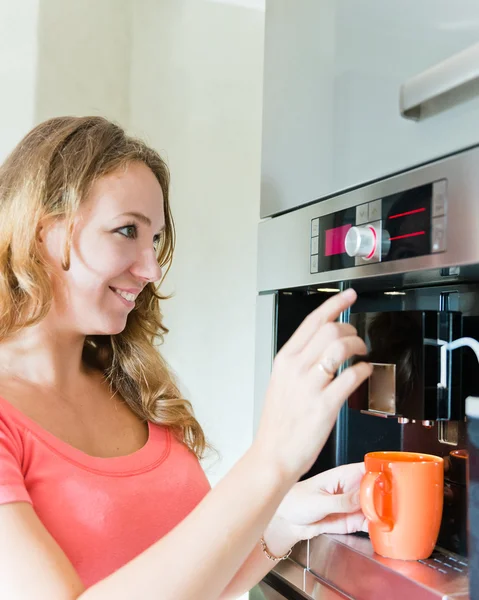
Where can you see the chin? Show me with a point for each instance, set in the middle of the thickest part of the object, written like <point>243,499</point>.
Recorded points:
<point>116,330</point>
<point>109,328</point>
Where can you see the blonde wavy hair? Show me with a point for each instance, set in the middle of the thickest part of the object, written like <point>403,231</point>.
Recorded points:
<point>48,175</point>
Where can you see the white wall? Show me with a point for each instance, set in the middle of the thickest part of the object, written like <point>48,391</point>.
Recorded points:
<point>18,53</point>
<point>60,58</point>
<point>196,94</point>
<point>187,76</point>
<point>83,59</point>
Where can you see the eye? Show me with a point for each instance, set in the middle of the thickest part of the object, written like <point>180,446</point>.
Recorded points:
<point>132,228</point>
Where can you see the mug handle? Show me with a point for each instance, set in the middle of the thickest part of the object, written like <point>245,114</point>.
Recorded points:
<point>367,501</point>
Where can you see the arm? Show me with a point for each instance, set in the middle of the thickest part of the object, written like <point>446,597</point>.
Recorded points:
<point>196,559</point>
<point>326,503</point>
<point>199,557</point>
<point>278,540</point>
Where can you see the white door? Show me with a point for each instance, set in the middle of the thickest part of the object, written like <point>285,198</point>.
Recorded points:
<point>334,73</point>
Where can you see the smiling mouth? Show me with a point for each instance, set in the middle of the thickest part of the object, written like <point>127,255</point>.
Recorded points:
<point>128,299</point>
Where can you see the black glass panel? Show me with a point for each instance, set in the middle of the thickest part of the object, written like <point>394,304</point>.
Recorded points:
<point>407,219</point>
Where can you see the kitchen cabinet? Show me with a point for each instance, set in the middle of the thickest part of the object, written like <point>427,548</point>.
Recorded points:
<point>337,74</point>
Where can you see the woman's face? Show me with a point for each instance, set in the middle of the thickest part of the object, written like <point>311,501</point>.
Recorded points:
<point>110,251</point>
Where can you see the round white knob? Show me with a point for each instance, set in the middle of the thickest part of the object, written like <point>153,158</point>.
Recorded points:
<point>361,242</point>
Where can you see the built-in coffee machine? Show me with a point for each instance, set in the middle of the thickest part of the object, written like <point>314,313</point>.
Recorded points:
<point>409,246</point>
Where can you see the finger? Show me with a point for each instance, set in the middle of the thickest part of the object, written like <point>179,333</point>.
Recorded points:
<point>327,312</point>
<point>345,384</point>
<point>325,369</point>
<point>346,523</point>
<point>344,478</point>
<point>323,338</point>
<point>335,354</point>
<point>332,504</point>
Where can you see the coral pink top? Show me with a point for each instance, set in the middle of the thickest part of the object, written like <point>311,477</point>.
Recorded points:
<point>102,511</point>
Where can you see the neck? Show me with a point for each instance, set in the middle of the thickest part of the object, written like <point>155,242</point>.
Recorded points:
<point>43,357</point>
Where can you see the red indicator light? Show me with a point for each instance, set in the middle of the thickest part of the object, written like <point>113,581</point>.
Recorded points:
<point>409,212</point>
<point>335,240</point>
<point>375,244</point>
<point>407,235</point>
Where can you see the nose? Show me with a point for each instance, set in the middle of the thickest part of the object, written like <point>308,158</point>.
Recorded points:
<point>147,267</point>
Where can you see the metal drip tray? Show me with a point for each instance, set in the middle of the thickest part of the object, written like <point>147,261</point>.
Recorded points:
<point>446,563</point>
<point>348,564</point>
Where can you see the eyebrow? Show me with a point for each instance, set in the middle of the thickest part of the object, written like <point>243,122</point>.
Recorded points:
<point>141,217</point>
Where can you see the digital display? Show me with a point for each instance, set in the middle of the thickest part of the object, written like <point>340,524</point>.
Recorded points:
<point>334,240</point>
<point>403,219</point>
<point>407,221</point>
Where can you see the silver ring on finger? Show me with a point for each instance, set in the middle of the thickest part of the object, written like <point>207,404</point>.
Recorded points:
<point>328,366</point>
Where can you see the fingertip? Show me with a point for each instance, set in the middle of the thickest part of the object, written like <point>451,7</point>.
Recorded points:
<point>364,349</point>
<point>365,370</point>
<point>350,295</point>
<point>350,379</point>
<point>368,367</point>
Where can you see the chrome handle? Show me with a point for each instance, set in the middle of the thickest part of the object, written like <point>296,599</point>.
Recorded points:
<point>445,77</point>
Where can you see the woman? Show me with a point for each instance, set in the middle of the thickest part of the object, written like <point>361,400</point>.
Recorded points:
<point>101,492</point>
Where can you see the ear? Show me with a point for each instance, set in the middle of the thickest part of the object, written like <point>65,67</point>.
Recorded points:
<point>39,233</point>
<point>42,228</point>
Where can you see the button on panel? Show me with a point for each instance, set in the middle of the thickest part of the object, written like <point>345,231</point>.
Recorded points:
<point>358,261</point>
<point>315,245</point>
<point>439,198</point>
<point>314,264</point>
<point>362,214</point>
<point>315,227</point>
<point>375,210</point>
<point>438,234</point>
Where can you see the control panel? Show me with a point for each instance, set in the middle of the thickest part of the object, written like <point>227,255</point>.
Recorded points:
<point>403,225</point>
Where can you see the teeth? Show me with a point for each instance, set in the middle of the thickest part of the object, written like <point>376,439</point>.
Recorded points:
<point>126,295</point>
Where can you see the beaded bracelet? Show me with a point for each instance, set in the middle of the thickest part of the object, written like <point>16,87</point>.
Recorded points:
<point>271,556</point>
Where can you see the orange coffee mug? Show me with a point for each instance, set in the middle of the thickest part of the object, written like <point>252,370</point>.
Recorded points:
<point>402,496</point>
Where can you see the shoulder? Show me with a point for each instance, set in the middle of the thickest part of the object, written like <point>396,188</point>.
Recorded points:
<point>11,430</point>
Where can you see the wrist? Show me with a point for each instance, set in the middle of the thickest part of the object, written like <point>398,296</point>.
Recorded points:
<point>266,458</point>
<point>279,536</point>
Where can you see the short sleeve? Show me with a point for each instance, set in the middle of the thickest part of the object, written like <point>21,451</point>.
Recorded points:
<point>12,482</point>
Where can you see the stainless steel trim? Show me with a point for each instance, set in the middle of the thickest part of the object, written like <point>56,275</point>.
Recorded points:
<point>448,432</point>
<point>265,343</point>
<point>312,587</point>
<point>283,241</point>
<point>297,578</point>
<point>291,573</point>
<point>265,592</point>
<point>382,388</point>
<point>318,590</point>
<point>340,427</point>
<point>345,566</point>
<point>300,554</point>
<point>448,76</point>
<point>382,415</point>
<point>349,564</point>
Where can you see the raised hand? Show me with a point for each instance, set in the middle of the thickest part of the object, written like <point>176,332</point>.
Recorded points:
<point>303,399</point>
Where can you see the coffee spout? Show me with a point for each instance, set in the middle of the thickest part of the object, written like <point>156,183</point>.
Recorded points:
<point>445,346</point>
